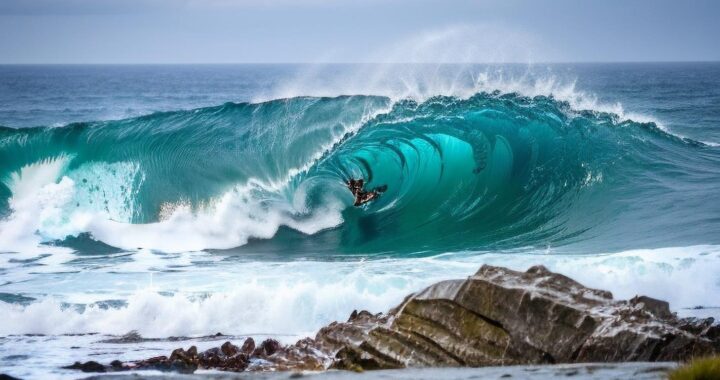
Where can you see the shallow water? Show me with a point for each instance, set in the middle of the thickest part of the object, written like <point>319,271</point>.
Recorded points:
<point>644,371</point>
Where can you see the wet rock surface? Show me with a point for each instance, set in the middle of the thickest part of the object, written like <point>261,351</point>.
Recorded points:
<point>7,377</point>
<point>269,355</point>
<point>89,366</point>
<point>496,317</point>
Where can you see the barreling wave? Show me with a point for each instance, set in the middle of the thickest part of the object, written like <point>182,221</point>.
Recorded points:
<point>492,170</point>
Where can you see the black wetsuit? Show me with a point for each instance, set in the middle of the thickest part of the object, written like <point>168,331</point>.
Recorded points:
<point>362,197</point>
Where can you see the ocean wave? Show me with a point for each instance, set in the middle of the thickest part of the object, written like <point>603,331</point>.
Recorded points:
<point>493,170</point>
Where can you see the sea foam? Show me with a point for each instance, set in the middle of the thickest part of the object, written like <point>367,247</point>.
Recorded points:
<point>296,298</point>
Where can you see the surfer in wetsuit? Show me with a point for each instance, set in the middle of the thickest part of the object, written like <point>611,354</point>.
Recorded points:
<point>361,196</point>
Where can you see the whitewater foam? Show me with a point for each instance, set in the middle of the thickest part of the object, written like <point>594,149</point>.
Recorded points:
<point>37,201</point>
<point>226,223</point>
<point>50,203</point>
<point>298,297</point>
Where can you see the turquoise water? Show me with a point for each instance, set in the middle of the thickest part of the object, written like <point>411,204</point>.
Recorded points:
<point>164,198</point>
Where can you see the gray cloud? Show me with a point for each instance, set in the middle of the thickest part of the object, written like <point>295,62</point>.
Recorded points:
<point>224,31</point>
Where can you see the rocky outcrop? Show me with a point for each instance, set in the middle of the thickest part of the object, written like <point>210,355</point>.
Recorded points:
<point>501,317</point>
<point>270,355</point>
<point>495,317</point>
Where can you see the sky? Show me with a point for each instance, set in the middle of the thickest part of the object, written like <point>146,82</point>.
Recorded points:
<point>321,31</point>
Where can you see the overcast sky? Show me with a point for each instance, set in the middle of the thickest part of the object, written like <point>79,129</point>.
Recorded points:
<point>229,31</point>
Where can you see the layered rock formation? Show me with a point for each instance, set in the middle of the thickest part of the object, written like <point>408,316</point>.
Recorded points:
<point>501,317</point>
<point>495,317</point>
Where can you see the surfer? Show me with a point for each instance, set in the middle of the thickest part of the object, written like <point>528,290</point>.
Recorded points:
<point>361,196</point>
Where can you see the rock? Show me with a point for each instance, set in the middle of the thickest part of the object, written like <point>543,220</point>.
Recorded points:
<point>495,317</point>
<point>360,316</point>
<point>179,361</point>
<point>117,365</point>
<point>267,348</point>
<point>131,337</point>
<point>302,356</point>
<point>659,309</point>
<point>227,357</point>
<point>229,349</point>
<point>502,317</point>
<point>89,366</point>
<point>248,346</point>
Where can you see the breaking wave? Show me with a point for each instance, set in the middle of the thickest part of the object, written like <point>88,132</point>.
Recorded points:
<point>492,170</point>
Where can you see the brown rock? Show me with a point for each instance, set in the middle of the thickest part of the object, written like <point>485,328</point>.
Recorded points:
<point>229,349</point>
<point>89,366</point>
<point>500,317</point>
<point>658,308</point>
<point>267,348</point>
<point>248,346</point>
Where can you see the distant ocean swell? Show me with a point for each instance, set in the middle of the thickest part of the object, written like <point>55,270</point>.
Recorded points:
<point>490,171</point>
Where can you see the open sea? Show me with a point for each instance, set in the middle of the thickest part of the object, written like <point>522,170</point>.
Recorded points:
<point>172,203</point>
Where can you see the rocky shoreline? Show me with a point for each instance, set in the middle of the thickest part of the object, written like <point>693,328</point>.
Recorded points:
<point>497,317</point>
